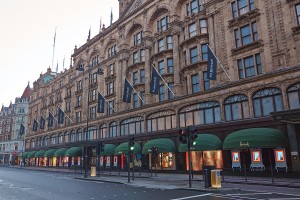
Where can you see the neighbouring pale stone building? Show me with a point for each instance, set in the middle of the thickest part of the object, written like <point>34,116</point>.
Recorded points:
<point>256,41</point>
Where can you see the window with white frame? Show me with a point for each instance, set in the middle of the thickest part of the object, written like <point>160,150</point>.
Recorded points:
<point>246,35</point>
<point>240,7</point>
<point>203,26</point>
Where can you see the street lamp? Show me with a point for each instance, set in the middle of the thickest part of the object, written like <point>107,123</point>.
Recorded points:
<point>98,72</point>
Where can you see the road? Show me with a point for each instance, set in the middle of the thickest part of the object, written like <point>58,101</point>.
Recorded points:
<point>20,184</point>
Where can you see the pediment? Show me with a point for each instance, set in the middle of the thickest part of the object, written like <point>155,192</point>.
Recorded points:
<point>136,4</point>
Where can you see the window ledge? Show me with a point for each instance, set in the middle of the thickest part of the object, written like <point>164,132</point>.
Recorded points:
<point>191,40</point>
<point>109,96</point>
<point>78,92</point>
<point>135,65</point>
<point>236,22</point>
<point>194,65</point>
<point>247,47</point>
<point>110,78</point>
<point>162,53</point>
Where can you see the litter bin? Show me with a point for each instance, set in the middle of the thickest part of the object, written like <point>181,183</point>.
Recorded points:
<point>207,174</point>
<point>216,178</point>
<point>93,171</point>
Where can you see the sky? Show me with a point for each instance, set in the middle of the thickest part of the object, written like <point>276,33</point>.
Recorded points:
<point>27,30</point>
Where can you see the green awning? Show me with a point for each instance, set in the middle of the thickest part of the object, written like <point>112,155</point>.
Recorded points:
<point>123,149</point>
<point>31,154</point>
<point>60,152</point>
<point>163,145</point>
<point>25,154</point>
<point>255,138</point>
<point>109,149</point>
<point>50,152</point>
<point>74,151</point>
<point>204,142</point>
<point>40,154</point>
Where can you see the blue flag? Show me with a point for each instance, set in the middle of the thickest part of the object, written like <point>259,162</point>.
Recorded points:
<point>22,130</point>
<point>50,120</point>
<point>35,125</point>
<point>101,102</point>
<point>211,65</point>
<point>127,92</point>
<point>61,115</point>
<point>42,123</point>
<point>154,85</point>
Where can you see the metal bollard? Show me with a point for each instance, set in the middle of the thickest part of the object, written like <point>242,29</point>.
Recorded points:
<point>206,179</point>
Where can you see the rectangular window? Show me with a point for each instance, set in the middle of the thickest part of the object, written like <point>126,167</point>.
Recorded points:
<point>143,97</point>
<point>79,85</point>
<point>194,55</point>
<point>170,65</point>
<point>135,78</point>
<point>204,51</point>
<point>142,55</point>
<point>195,83</point>
<point>234,11</point>
<point>110,88</point>
<point>135,100</point>
<point>192,30</point>
<point>249,66</point>
<point>78,102</point>
<point>237,38</point>
<point>163,24</point>
<point>161,69</point>
<point>240,7</point>
<point>142,76</point>
<point>203,26</point>
<point>135,57</point>
<point>206,81</point>
<point>110,107</point>
<point>161,45</point>
<point>298,13</point>
<point>93,112</point>
<point>170,94</point>
<point>161,93</point>
<point>93,95</point>
<point>246,34</point>
<point>111,69</point>
<point>194,6</point>
<point>188,9</point>
<point>169,42</point>
<point>78,116</point>
<point>137,39</point>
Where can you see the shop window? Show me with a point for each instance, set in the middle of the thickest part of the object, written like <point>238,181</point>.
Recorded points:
<point>246,35</point>
<point>236,107</point>
<point>293,93</point>
<point>240,7</point>
<point>266,101</point>
<point>249,66</point>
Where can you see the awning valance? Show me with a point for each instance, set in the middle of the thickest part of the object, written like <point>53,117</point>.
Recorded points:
<point>49,153</point>
<point>74,151</point>
<point>109,149</point>
<point>163,145</point>
<point>25,154</point>
<point>123,149</point>
<point>204,142</point>
<point>31,154</point>
<point>40,154</point>
<point>255,138</point>
<point>60,152</point>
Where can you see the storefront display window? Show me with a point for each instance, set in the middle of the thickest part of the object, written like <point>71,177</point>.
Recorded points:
<point>205,158</point>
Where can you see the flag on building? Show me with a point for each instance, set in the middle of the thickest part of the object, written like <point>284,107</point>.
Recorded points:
<point>127,92</point>
<point>61,115</point>
<point>22,130</point>
<point>50,120</point>
<point>211,65</point>
<point>155,78</point>
<point>42,123</point>
<point>101,102</point>
<point>35,125</point>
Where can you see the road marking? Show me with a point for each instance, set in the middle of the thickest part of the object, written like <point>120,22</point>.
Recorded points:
<point>190,197</point>
<point>283,198</point>
<point>295,195</point>
<point>238,194</point>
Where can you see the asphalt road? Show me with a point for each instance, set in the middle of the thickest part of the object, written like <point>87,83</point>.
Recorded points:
<point>20,184</point>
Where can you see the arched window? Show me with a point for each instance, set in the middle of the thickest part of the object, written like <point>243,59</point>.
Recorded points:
<point>201,113</point>
<point>236,107</point>
<point>60,138</point>
<point>93,131</point>
<point>266,101</point>
<point>79,135</point>
<point>66,137</point>
<point>103,131</point>
<point>72,136</point>
<point>164,120</point>
<point>32,143</point>
<point>53,139</point>
<point>113,129</point>
<point>293,93</point>
<point>132,126</point>
<point>46,141</point>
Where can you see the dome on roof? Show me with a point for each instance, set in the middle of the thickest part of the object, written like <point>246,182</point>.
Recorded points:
<point>27,92</point>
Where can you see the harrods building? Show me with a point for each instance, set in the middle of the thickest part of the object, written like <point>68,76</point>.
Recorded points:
<point>251,110</point>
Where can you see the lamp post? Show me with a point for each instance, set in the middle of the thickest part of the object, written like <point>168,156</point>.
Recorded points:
<point>98,72</point>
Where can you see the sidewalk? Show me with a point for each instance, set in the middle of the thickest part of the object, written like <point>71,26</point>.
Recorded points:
<point>167,180</point>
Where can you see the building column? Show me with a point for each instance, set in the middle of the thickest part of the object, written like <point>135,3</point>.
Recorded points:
<point>294,146</point>
<point>177,67</point>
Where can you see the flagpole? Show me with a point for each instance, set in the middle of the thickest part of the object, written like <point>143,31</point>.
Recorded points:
<point>164,81</point>
<point>136,91</point>
<point>53,49</point>
<point>107,102</point>
<point>65,114</point>
<point>219,63</point>
<point>53,116</point>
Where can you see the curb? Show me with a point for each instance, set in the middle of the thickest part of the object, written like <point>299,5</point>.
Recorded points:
<point>98,180</point>
<point>264,184</point>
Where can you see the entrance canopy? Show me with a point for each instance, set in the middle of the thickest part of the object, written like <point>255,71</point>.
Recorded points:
<point>40,154</point>
<point>74,151</point>
<point>163,145</point>
<point>60,152</point>
<point>122,149</point>
<point>31,154</point>
<point>204,142</point>
<point>109,150</point>
<point>49,153</point>
<point>255,138</point>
